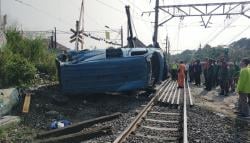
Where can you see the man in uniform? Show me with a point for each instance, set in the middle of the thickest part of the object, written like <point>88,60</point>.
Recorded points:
<point>223,77</point>
<point>197,73</point>
<point>205,68</point>
<point>191,71</point>
<point>235,74</point>
<point>209,75</point>
<point>215,74</point>
<point>174,68</point>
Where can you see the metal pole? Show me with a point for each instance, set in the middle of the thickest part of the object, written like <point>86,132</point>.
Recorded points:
<point>167,45</point>
<point>121,37</point>
<point>168,52</point>
<point>0,14</point>
<point>51,42</point>
<point>77,34</point>
<point>55,38</point>
<point>52,39</point>
<point>82,23</point>
<point>155,37</point>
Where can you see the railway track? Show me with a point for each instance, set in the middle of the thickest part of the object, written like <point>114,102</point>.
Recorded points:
<point>163,119</point>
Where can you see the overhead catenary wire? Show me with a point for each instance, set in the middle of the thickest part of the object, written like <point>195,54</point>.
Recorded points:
<point>221,31</point>
<point>118,10</point>
<point>239,34</point>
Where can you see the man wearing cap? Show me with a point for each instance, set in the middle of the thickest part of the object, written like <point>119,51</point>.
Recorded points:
<point>210,71</point>
<point>223,77</point>
<point>174,68</point>
<point>197,73</point>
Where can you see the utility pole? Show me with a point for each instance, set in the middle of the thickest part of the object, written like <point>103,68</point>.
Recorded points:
<point>81,22</point>
<point>52,40</point>
<point>167,49</point>
<point>77,35</point>
<point>155,37</point>
<point>55,38</point>
<point>121,37</point>
<point>1,14</point>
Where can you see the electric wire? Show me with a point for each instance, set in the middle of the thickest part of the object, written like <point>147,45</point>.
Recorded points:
<point>221,31</point>
<point>42,11</point>
<point>239,34</point>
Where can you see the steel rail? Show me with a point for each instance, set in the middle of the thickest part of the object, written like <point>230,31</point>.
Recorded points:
<point>139,117</point>
<point>166,95</point>
<point>175,92</point>
<point>190,96</point>
<point>178,97</point>
<point>164,92</point>
<point>171,93</point>
<point>185,138</point>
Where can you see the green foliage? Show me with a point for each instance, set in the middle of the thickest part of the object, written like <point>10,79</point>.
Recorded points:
<point>19,70</point>
<point>21,58</point>
<point>235,52</point>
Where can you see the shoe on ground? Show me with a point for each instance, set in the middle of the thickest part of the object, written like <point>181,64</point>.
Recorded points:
<point>221,93</point>
<point>245,117</point>
<point>236,112</point>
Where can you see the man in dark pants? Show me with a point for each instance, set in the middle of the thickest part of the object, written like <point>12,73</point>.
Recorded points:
<point>223,77</point>
<point>210,71</point>
<point>215,75</point>
<point>197,73</point>
<point>205,68</point>
<point>174,68</point>
<point>191,72</point>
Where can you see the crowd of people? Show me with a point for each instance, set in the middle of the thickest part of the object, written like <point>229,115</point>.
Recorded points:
<point>217,73</point>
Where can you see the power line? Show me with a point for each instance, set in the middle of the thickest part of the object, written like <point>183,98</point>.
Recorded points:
<point>236,36</point>
<point>110,6</point>
<point>221,31</point>
<point>41,11</point>
<point>118,10</point>
<point>135,6</point>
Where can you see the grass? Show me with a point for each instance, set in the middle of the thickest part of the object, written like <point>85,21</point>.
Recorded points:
<point>22,58</point>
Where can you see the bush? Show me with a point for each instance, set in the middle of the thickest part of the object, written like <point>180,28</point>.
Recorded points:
<point>14,69</point>
<point>21,58</point>
<point>19,70</point>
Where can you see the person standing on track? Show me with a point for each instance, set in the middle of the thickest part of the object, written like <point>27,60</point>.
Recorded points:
<point>243,88</point>
<point>197,73</point>
<point>186,70</point>
<point>174,68</point>
<point>205,68</point>
<point>191,72</point>
<point>181,75</point>
<point>224,78</point>
<point>209,74</point>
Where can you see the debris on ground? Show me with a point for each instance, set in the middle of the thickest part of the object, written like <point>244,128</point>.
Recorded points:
<point>79,136</point>
<point>26,104</point>
<point>77,126</point>
<point>60,124</point>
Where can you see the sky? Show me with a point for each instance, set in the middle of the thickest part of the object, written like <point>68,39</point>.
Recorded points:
<point>44,15</point>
